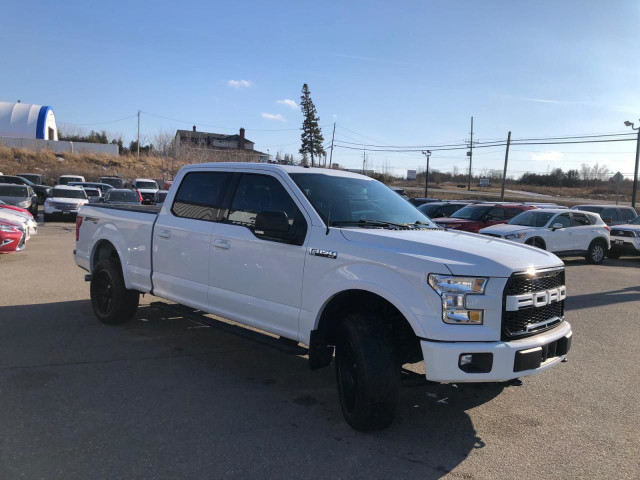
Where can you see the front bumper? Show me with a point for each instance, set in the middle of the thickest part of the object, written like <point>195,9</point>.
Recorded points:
<point>629,245</point>
<point>441,359</point>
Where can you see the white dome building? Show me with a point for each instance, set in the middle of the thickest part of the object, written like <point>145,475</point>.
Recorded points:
<point>24,120</point>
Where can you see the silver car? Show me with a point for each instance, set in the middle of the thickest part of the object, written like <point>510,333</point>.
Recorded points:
<point>21,196</point>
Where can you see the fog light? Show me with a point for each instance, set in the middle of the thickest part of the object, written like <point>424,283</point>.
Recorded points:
<point>475,362</point>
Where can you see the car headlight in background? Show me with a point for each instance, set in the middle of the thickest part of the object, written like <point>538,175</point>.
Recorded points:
<point>8,228</point>
<point>514,236</point>
<point>453,291</point>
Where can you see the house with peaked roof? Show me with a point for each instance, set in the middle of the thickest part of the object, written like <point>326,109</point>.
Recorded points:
<point>217,147</point>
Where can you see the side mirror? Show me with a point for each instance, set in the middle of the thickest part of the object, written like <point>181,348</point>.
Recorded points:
<point>556,226</point>
<point>272,223</point>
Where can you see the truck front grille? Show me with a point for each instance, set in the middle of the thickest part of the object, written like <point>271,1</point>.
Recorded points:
<point>532,320</point>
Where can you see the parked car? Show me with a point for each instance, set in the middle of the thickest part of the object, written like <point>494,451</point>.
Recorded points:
<point>442,209</point>
<point>66,179</point>
<point>561,231</point>
<point>417,201</point>
<point>14,208</point>
<point>25,219</point>
<point>115,182</point>
<point>625,239</point>
<point>21,196</point>
<point>122,196</point>
<point>336,261</point>
<point>166,185</point>
<point>611,214</point>
<point>93,194</point>
<point>12,237</point>
<point>102,186</point>
<point>41,190</point>
<point>159,197</point>
<point>481,215</point>
<point>34,178</point>
<point>64,202</point>
<point>147,189</point>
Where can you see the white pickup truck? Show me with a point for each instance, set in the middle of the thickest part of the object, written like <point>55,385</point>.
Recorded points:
<point>338,262</point>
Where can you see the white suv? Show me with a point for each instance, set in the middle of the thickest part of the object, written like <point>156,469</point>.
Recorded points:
<point>64,201</point>
<point>625,239</point>
<point>560,231</point>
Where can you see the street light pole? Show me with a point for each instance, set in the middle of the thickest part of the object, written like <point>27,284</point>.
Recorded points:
<point>427,154</point>
<point>635,173</point>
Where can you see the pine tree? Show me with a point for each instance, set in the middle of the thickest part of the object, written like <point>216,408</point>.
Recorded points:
<point>311,136</point>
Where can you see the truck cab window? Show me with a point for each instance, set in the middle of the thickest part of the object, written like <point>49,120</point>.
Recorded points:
<point>200,196</point>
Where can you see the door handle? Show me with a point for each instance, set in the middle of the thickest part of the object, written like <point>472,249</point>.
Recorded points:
<point>164,233</point>
<point>222,244</point>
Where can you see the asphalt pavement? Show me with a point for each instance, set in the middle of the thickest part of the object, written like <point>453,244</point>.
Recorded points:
<point>167,397</point>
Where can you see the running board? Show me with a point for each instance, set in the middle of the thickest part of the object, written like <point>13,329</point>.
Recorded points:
<point>283,344</point>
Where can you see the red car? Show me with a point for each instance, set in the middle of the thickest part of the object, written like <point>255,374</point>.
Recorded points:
<point>474,217</point>
<point>17,209</point>
<point>11,237</point>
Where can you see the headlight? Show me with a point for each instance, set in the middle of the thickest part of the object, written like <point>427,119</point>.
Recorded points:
<point>513,236</point>
<point>8,228</point>
<point>453,292</point>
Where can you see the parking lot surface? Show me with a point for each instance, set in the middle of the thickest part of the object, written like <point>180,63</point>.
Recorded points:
<point>166,397</point>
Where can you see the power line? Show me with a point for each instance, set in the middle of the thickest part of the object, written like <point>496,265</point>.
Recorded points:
<point>101,123</point>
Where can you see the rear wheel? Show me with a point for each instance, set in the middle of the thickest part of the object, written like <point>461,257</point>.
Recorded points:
<point>595,254</point>
<point>112,302</point>
<point>367,372</point>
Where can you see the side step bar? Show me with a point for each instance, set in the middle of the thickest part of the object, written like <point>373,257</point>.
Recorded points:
<point>283,344</point>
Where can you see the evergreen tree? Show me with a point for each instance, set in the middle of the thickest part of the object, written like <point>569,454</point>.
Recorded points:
<point>311,136</point>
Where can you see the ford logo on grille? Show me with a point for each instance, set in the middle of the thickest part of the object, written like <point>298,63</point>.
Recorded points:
<point>535,299</point>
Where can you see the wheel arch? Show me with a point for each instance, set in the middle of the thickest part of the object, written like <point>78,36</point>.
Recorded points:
<point>531,241</point>
<point>102,250</point>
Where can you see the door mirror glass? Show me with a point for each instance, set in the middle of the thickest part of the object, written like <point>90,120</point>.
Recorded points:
<point>272,223</point>
<point>556,226</point>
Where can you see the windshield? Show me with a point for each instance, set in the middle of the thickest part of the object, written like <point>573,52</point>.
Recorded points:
<point>92,192</point>
<point>63,193</point>
<point>13,191</point>
<point>67,180</point>
<point>35,179</point>
<point>127,197</point>
<point>347,199</point>
<point>472,212</point>
<point>531,219</point>
<point>152,185</point>
<point>635,221</point>
<point>429,209</point>
<point>114,182</point>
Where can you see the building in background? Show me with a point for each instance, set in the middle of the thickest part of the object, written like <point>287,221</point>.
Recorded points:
<point>216,147</point>
<point>25,120</point>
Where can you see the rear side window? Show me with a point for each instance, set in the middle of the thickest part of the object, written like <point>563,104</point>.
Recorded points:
<point>496,213</point>
<point>512,212</point>
<point>579,220</point>
<point>200,196</point>
<point>259,193</point>
<point>626,214</point>
<point>450,209</point>
<point>609,213</point>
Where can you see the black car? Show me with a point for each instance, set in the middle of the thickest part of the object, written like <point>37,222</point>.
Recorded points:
<point>41,190</point>
<point>115,182</point>
<point>34,178</point>
<point>121,196</point>
<point>442,209</point>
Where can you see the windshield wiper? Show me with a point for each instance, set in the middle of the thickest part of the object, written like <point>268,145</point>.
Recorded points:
<point>372,223</point>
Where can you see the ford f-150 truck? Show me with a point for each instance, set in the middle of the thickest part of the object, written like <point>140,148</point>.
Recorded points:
<point>340,263</point>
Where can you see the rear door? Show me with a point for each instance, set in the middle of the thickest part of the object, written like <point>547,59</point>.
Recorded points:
<point>182,238</point>
<point>253,279</point>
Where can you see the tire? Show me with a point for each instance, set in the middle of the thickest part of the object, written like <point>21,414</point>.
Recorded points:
<point>367,373</point>
<point>112,303</point>
<point>614,254</point>
<point>596,253</point>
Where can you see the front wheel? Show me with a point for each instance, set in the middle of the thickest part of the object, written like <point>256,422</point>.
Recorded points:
<point>367,373</point>
<point>595,254</point>
<point>112,302</point>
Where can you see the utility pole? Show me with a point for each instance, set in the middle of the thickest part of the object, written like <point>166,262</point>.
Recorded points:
<point>506,160</point>
<point>311,140</point>
<point>364,159</point>
<point>635,173</point>
<point>470,153</point>
<point>427,154</point>
<point>332,136</point>
<point>138,133</point>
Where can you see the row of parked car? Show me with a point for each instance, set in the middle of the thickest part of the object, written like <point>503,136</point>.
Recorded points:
<point>594,231</point>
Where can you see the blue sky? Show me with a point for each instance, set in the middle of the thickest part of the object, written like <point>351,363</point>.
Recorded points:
<point>398,72</point>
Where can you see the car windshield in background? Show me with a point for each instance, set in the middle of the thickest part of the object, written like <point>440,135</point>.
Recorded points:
<point>35,179</point>
<point>64,193</point>
<point>531,218</point>
<point>352,200</point>
<point>151,185</point>
<point>472,212</point>
<point>114,182</point>
<point>92,193</point>
<point>67,180</point>
<point>124,197</point>
<point>635,221</point>
<point>428,209</point>
<point>13,191</point>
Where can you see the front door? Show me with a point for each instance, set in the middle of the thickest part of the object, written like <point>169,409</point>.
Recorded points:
<point>253,279</point>
<point>560,239</point>
<point>182,239</point>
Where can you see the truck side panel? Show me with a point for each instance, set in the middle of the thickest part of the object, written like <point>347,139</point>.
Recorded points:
<point>130,234</point>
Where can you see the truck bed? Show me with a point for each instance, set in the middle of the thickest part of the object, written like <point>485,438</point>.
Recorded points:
<point>151,209</point>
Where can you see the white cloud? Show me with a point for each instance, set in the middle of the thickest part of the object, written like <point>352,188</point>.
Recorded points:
<point>289,103</point>
<point>550,156</point>
<point>273,116</point>
<point>335,117</point>
<point>239,83</point>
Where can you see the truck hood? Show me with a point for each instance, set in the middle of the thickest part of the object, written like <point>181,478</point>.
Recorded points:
<point>453,220</point>
<point>504,229</point>
<point>463,253</point>
<point>626,228</point>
